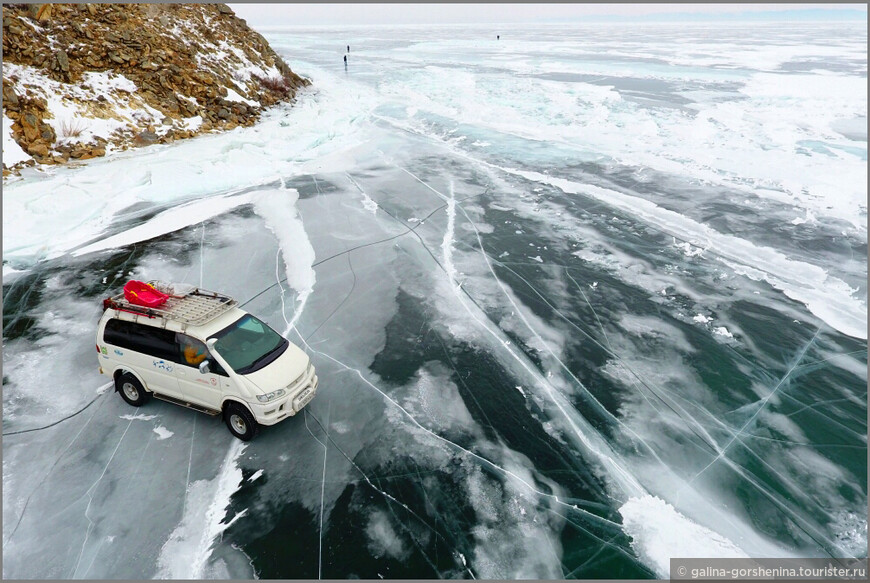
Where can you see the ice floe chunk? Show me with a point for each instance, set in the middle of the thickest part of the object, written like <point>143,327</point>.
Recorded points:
<point>369,204</point>
<point>852,532</point>
<point>808,218</point>
<point>688,249</point>
<point>722,331</point>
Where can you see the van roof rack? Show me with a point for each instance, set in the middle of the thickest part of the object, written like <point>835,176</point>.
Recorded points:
<point>195,307</point>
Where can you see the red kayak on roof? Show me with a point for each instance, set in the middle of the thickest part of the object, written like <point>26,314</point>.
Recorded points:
<point>142,294</point>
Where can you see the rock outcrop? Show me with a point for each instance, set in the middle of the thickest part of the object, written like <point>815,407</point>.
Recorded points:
<point>80,80</point>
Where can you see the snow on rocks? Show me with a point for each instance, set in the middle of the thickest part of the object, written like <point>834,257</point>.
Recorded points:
<point>82,80</point>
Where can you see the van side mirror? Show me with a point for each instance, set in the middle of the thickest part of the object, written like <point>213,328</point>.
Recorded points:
<point>204,367</point>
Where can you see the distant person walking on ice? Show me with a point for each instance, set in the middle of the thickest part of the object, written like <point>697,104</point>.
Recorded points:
<point>498,37</point>
<point>348,48</point>
<point>345,60</point>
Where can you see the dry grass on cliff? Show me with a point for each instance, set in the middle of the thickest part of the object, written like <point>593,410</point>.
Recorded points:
<point>282,86</point>
<point>72,128</point>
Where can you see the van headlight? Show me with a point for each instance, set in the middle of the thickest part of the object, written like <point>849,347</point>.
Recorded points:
<point>270,396</point>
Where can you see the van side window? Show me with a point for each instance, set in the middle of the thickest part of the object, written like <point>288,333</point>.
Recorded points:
<point>193,351</point>
<point>149,340</point>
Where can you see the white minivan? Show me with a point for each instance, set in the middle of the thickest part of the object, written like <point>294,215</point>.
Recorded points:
<point>200,350</point>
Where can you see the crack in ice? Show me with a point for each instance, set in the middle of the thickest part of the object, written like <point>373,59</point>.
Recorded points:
<point>495,466</point>
<point>764,402</point>
<point>89,494</point>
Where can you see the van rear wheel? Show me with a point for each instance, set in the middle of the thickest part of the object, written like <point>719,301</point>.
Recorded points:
<point>240,422</point>
<point>131,390</point>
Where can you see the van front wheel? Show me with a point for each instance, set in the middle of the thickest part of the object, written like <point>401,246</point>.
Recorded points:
<point>132,390</point>
<point>240,422</point>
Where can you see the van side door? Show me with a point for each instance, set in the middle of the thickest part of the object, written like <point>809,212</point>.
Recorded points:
<point>202,389</point>
<point>146,350</point>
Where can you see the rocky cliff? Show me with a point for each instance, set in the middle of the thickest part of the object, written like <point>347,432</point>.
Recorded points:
<point>81,80</point>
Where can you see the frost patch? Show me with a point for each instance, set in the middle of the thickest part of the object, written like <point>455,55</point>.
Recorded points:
<point>436,399</point>
<point>278,210</point>
<point>447,243</point>
<point>659,532</point>
<point>383,539</point>
<point>175,219</point>
<point>138,417</point>
<point>340,427</point>
<point>185,554</point>
<point>162,433</point>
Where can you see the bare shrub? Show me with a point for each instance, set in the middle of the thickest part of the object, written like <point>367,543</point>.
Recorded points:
<point>281,85</point>
<point>72,128</point>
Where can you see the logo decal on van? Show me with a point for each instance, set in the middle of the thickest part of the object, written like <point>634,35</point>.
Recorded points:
<point>104,350</point>
<point>118,352</point>
<point>162,365</point>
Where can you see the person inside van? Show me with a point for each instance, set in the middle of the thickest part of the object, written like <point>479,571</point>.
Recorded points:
<point>194,352</point>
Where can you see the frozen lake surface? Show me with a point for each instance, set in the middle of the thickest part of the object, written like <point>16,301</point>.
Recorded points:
<point>580,300</point>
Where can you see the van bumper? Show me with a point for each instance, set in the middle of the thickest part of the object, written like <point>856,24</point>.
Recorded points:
<point>276,411</point>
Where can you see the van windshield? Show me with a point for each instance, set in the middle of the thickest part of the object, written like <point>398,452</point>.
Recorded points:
<point>248,344</point>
